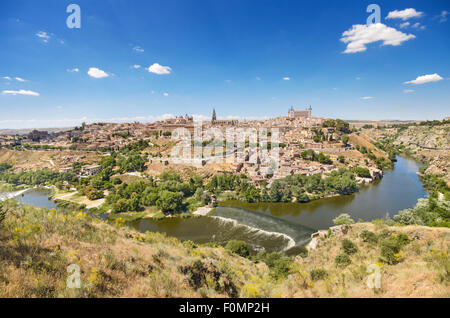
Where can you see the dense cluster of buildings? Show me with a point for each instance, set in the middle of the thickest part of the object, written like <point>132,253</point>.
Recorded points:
<point>296,134</point>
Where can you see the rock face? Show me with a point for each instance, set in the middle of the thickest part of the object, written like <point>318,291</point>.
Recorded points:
<point>376,174</point>
<point>316,238</point>
<point>213,202</point>
<point>363,180</point>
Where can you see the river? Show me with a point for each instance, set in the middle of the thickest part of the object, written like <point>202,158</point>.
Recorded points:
<point>282,226</point>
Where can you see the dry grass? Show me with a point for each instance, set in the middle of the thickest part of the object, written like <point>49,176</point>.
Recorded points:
<point>422,272</point>
<point>37,246</point>
<point>35,160</point>
<point>366,141</point>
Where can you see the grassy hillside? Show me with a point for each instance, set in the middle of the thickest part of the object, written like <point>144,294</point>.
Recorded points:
<point>37,246</point>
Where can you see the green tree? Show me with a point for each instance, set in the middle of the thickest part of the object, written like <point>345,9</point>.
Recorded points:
<point>170,201</point>
<point>342,219</point>
<point>345,139</point>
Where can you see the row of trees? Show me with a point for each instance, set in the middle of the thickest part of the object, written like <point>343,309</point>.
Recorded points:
<point>300,187</point>
<point>37,177</point>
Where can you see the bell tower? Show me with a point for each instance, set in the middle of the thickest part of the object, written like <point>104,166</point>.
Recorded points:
<point>214,118</point>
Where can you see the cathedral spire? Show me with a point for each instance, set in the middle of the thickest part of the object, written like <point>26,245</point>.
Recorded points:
<point>214,118</point>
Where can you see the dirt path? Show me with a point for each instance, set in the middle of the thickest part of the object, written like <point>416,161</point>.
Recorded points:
<point>203,211</point>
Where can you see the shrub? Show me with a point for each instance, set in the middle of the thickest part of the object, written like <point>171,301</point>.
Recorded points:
<point>362,172</point>
<point>93,194</point>
<point>390,248</point>
<point>345,139</point>
<point>342,260</point>
<point>238,247</point>
<point>342,219</point>
<point>369,237</point>
<point>388,251</point>
<point>318,273</point>
<point>349,247</point>
<point>402,239</point>
<point>280,267</point>
<point>189,244</point>
<point>2,215</point>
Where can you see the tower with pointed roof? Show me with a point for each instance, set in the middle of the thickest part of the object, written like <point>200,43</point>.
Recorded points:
<point>214,118</point>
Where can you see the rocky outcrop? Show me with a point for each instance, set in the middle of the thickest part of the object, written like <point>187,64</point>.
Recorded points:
<point>376,174</point>
<point>336,231</point>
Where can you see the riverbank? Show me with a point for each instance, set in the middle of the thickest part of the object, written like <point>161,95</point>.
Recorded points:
<point>253,222</point>
<point>426,142</point>
<point>76,198</point>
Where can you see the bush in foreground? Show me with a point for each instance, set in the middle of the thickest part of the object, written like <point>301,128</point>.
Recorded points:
<point>343,219</point>
<point>369,237</point>
<point>342,260</point>
<point>238,247</point>
<point>318,274</point>
<point>349,247</point>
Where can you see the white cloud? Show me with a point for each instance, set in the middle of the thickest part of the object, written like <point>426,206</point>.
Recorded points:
<point>136,66</point>
<point>138,49</point>
<point>404,25</point>
<point>366,97</point>
<point>360,35</point>
<point>43,35</point>
<point>228,81</point>
<point>404,14</point>
<point>425,79</point>
<point>74,70</point>
<point>443,16</point>
<point>166,94</point>
<point>97,73</point>
<point>20,92</point>
<point>407,91</point>
<point>159,69</point>
<point>418,26</point>
<point>19,79</point>
<point>358,78</point>
<point>286,78</point>
<point>258,78</point>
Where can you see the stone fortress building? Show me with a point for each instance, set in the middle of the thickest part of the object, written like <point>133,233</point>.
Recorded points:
<point>307,113</point>
<point>216,122</point>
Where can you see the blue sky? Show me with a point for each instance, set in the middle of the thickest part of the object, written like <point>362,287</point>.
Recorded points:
<point>245,58</point>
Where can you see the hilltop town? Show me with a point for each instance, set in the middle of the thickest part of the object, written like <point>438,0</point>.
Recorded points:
<point>308,145</point>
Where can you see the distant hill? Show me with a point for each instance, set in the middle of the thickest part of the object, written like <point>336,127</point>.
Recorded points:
<point>28,130</point>
<point>361,123</point>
